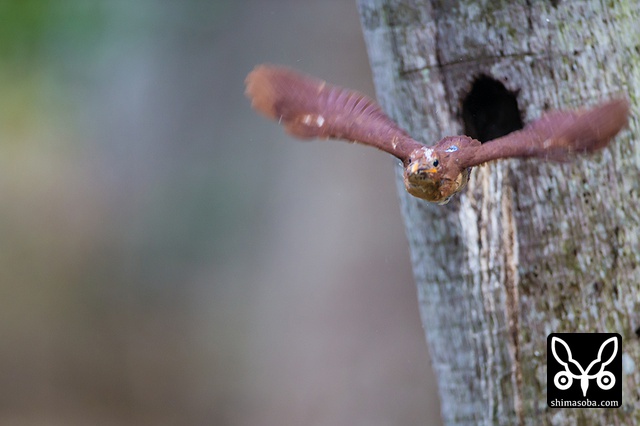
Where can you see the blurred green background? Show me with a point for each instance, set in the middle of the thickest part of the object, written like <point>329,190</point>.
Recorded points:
<point>169,257</point>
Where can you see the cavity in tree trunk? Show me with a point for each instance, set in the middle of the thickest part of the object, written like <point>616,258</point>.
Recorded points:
<point>530,248</point>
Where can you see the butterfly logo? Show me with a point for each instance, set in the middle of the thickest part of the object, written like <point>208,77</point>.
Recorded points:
<point>564,379</point>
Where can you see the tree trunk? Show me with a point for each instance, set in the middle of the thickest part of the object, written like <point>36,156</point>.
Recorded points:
<point>529,248</point>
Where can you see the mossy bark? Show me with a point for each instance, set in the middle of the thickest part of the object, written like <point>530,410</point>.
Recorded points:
<point>529,248</point>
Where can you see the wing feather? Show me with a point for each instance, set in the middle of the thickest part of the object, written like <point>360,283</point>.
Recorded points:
<point>556,136</point>
<point>311,108</point>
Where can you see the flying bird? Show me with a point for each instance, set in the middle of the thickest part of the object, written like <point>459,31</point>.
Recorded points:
<point>311,108</point>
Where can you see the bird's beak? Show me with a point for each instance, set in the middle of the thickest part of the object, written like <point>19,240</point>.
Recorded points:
<point>415,168</point>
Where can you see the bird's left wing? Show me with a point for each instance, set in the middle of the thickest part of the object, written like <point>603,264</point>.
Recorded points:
<point>556,136</point>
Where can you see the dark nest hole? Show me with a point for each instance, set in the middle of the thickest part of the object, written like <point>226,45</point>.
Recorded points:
<point>490,110</point>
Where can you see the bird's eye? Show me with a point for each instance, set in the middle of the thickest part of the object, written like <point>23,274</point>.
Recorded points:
<point>435,163</point>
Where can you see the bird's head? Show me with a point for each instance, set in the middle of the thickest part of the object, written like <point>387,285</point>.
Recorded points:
<point>423,174</point>
<point>433,174</point>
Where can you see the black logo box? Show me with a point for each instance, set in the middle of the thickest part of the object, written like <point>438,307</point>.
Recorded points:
<point>585,370</point>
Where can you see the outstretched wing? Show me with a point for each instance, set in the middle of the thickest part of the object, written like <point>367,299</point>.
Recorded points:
<point>556,136</point>
<point>311,108</point>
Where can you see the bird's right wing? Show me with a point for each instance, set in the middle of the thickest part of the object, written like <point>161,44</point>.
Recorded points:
<point>311,108</point>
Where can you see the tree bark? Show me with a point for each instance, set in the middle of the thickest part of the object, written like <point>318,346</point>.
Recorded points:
<point>529,248</point>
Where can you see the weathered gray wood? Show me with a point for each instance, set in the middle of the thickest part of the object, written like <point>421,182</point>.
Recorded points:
<point>529,248</point>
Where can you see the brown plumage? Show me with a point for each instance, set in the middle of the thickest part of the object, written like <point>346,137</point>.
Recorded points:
<point>311,108</point>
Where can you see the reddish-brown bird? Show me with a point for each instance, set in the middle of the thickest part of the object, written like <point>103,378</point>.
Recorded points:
<point>311,108</point>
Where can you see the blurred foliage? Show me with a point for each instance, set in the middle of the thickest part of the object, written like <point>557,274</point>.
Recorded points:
<point>29,29</point>
<point>37,39</point>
